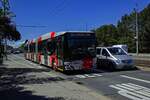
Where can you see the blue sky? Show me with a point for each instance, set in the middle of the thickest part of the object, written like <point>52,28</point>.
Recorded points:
<point>64,15</point>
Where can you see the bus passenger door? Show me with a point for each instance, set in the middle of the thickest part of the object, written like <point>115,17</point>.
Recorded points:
<point>60,51</point>
<point>45,56</point>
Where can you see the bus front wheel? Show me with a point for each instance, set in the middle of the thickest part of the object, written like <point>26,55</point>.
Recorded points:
<point>53,65</point>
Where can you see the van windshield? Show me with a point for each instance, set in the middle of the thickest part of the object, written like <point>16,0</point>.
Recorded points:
<point>116,51</point>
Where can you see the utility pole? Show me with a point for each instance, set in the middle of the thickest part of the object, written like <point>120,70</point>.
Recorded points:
<point>137,30</point>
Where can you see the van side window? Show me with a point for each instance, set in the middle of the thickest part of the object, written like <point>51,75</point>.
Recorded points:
<point>98,51</point>
<point>105,53</point>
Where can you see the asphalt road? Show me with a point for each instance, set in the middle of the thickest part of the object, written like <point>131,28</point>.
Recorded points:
<point>120,85</point>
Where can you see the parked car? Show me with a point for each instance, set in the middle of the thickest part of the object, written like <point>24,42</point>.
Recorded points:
<point>113,58</point>
<point>8,51</point>
<point>17,51</point>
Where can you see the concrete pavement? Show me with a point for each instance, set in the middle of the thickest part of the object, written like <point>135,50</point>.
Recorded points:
<point>24,80</point>
<point>34,81</point>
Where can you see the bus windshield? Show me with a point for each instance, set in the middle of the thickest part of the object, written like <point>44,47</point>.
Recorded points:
<point>82,46</point>
<point>116,51</point>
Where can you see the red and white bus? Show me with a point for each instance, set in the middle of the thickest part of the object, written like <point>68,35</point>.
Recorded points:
<point>63,51</point>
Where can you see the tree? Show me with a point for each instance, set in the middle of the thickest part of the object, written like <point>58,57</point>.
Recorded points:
<point>106,35</point>
<point>124,32</point>
<point>145,29</point>
<point>8,30</point>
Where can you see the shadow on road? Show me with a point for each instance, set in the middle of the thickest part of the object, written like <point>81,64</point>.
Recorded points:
<point>12,78</point>
<point>16,93</point>
<point>78,72</point>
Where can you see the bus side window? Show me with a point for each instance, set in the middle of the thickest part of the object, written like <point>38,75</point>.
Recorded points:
<point>39,46</point>
<point>51,47</point>
<point>33,47</point>
<point>60,46</point>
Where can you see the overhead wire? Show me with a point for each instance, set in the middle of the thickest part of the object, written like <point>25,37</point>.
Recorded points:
<point>59,8</point>
<point>31,26</point>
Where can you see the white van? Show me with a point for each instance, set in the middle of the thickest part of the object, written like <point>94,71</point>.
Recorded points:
<point>113,58</point>
<point>123,46</point>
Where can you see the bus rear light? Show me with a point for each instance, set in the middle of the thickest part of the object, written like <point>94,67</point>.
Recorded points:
<point>87,63</point>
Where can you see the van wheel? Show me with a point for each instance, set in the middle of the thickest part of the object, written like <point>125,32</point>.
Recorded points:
<point>111,66</point>
<point>99,64</point>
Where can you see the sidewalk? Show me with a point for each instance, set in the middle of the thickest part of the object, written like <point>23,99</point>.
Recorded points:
<point>67,91</point>
<point>18,83</point>
<point>141,56</point>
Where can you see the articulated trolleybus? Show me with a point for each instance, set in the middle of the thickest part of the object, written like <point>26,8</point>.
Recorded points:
<point>63,51</point>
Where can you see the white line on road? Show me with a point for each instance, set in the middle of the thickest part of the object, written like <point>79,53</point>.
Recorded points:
<point>88,75</point>
<point>137,92</point>
<point>133,78</point>
<point>97,74</point>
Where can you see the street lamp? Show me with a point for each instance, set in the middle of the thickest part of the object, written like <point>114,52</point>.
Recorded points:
<point>137,30</point>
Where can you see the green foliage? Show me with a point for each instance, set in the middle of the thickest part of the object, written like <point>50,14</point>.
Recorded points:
<point>124,32</point>
<point>106,34</point>
<point>145,29</point>
<point>7,29</point>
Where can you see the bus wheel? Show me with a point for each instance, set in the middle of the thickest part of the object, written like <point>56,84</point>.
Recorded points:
<point>54,66</point>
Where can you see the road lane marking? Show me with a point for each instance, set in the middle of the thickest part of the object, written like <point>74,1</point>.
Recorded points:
<point>130,86</point>
<point>124,87</point>
<point>88,75</point>
<point>133,78</point>
<point>80,76</point>
<point>127,86</point>
<point>97,74</point>
<point>140,87</point>
<point>137,92</point>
